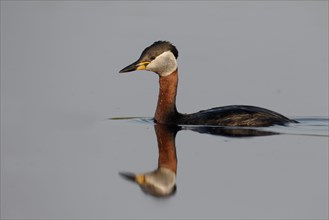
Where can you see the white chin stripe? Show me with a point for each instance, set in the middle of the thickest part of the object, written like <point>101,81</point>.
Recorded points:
<point>164,64</point>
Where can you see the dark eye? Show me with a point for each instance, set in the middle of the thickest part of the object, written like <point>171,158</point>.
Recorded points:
<point>152,57</point>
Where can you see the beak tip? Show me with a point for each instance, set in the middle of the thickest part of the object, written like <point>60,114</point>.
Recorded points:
<point>125,70</point>
<point>128,176</point>
<point>129,68</point>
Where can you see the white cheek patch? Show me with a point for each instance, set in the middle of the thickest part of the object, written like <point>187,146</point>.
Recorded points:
<point>164,64</point>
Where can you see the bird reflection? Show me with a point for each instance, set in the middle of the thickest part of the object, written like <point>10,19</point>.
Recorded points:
<point>229,131</point>
<point>162,181</point>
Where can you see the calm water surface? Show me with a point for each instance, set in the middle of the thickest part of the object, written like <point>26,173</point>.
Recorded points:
<point>61,155</point>
<point>274,170</point>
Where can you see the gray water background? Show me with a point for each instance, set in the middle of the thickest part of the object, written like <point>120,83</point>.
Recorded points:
<point>60,155</point>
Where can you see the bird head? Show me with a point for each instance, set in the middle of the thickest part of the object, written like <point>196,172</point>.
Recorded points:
<point>160,57</point>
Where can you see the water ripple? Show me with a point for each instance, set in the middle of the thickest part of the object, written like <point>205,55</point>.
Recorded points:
<point>307,126</point>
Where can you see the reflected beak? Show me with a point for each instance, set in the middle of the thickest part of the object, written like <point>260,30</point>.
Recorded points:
<point>140,179</point>
<point>138,65</point>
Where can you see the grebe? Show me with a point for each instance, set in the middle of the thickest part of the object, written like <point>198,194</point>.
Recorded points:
<point>161,58</point>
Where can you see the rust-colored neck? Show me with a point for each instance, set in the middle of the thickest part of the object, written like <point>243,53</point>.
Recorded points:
<point>166,144</point>
<point>166,108</point>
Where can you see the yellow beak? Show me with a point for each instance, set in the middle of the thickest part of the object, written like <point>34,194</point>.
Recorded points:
<point>138,65</point>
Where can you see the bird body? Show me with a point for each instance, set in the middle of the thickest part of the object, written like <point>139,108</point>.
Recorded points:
<point>160,58</point>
